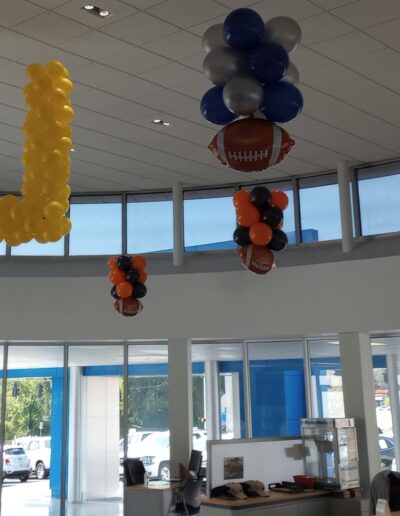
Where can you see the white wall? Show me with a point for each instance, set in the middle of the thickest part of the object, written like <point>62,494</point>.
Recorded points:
<point>358,295</point>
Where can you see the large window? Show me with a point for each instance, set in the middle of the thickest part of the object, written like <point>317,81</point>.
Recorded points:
<point>319,208</point>
<point>96,225</point>
<point>210,219</point>
<point>378,191</point>
<point>33,248</point>
<point>149,224</point>
<point>3,248</point>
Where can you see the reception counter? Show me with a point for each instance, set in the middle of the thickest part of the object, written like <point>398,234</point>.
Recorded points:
<point>152,500</point>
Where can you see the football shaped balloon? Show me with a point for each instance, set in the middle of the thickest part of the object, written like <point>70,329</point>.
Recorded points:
<point>257,259</point>
<point>251,144</point>
<point>128,307</point>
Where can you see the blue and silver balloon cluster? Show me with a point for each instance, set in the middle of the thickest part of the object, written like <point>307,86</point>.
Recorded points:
<point>248,62</point>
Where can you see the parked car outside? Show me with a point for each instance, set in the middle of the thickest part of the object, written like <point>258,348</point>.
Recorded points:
<point>16,463</point>
<point>38,449</point>
<point>386,449</point>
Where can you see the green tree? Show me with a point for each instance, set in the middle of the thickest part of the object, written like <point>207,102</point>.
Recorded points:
<point>27,404</point>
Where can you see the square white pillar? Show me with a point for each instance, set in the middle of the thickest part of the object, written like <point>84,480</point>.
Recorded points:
<point>180,402</point>
<point>359,400</point>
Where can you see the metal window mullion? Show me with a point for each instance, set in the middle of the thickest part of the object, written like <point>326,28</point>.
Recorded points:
<point>356,204</point>
<point>296,207</point>
<point>65,401</point>
<point>66,238</point>
<point>3,413</point>
<point>124,214</point>
<point>307,377</point>
<point>125,400</point>
<point>247,390</point>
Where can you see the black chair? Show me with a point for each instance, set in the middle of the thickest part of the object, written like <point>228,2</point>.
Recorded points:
<point>187,497</point>
<point>195,461</point>
<point>133,472</point>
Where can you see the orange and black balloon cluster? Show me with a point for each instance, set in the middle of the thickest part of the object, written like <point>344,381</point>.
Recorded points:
<point>128,277</point>
<point>259,214</point>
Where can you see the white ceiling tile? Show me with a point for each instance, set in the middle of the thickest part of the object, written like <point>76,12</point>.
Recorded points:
<point>298,10</point>
<point>13,95</point>
<point>194,61</point>
<point>52,28</point>
<point>333,4</point>
<point>11,133</point>
<point>180,13</point>
<point>95,45</point>
<point>236,4</point>
<point>15,46</point>
<point>322,27</point>
<point>172,74</point>
<point>383,105</point>
<point>144,4</point>
<point>140,28</point>
<point>10,149</point>
<point>14,73</point>
<point>176,46</point>
<point>312,153</point>
<point>389,78</point>
<point>349,45</point>
<point>93,99</point>
<point>49,4</point>
<point>202,27</point>
<point>166,100</point>
<point>387,32</point>
<point>369,12</point>
<point>130,111</point>
<point>375,62</point>
<point>307,59</point>
<point>132,88</point>
<point>71,61</point>
<point>16,12</point>
<point>73,10</point>
<point>135,61</point>
<point>97,75</point>
<point>195,89</point>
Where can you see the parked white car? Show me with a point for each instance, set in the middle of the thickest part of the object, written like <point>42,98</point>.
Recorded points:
<point>38,449</point>
<point>16,463</point>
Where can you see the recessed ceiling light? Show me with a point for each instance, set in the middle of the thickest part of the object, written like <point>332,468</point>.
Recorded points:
<point>73,150</point>
<point>161,122</point>
<point>156,121</point>
<point>97,11</point>
<point>166,124</point>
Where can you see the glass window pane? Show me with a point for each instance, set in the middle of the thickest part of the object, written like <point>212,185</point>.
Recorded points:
<point>150,224</point>
<point>3,248</point>
<point>319,209</point>
<point>326,378</point>
<point>96,225</point>
<point>383,183</point>
<point>277,388</point>
<point>210,219</point>
<point>33,248</point>
<point>289,224</point>
<point>148,417</point>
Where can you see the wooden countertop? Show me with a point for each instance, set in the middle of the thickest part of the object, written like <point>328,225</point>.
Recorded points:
<point>273,498</point>
<point>157,485</point>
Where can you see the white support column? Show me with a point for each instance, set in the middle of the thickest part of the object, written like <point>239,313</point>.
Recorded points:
<point>177,202</point>
<point>394,402</point>
<point>359,400</point>
<point>212,399</point>
<point>180,402</point>
<point>74,433</point>
<point>346,218</point>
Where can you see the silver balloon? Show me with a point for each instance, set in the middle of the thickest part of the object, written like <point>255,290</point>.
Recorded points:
<point>243,95</point>
<point>213,38</point>
<point>292,74</point>
<point>222,63</point>
<point>285,31</point>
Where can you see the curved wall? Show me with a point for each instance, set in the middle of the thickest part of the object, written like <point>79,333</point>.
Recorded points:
<point>356,295</point>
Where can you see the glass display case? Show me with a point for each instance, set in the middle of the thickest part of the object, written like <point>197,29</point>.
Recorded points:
<point>330,446</point>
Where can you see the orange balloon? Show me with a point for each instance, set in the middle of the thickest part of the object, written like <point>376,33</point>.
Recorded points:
<point>112,263</point>
<point>139,262</point>
<point>124,289</point>
<point>142,276</point>
<point>116,276</point>
<point>260,233</point>
<point>279,199</point>
<point>241,197</point>
<point>247,215</point>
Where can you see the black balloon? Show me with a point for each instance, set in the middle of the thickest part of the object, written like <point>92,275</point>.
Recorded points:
<point>278,241</point>
<point>260,197</point>
<point>132,275</point>
<point>241,236</point>
<point>273,216</point>
<point>114,292</point>
<point>123,263</point>
<point>139,290</point>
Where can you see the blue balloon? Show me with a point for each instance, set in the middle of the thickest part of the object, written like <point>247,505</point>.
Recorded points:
<point>282,102</point>
<point>269,62</point>
<point>243,29</point>
<point>213,108</point>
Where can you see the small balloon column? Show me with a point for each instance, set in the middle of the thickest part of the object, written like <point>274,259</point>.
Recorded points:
<point>128,277</point>
<point>40,212</point>
<point>259,214</point>
<point>248,63</point>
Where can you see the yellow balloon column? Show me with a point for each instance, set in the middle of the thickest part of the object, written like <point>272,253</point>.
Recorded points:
<point>40,212</point>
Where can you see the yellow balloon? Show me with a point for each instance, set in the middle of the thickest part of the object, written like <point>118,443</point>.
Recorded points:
<point>54,210</point>
<point>57,69</point>
<point>34,71</point>
<point>65,85</point>
<point>65,115</point>
<point>66,225</point>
